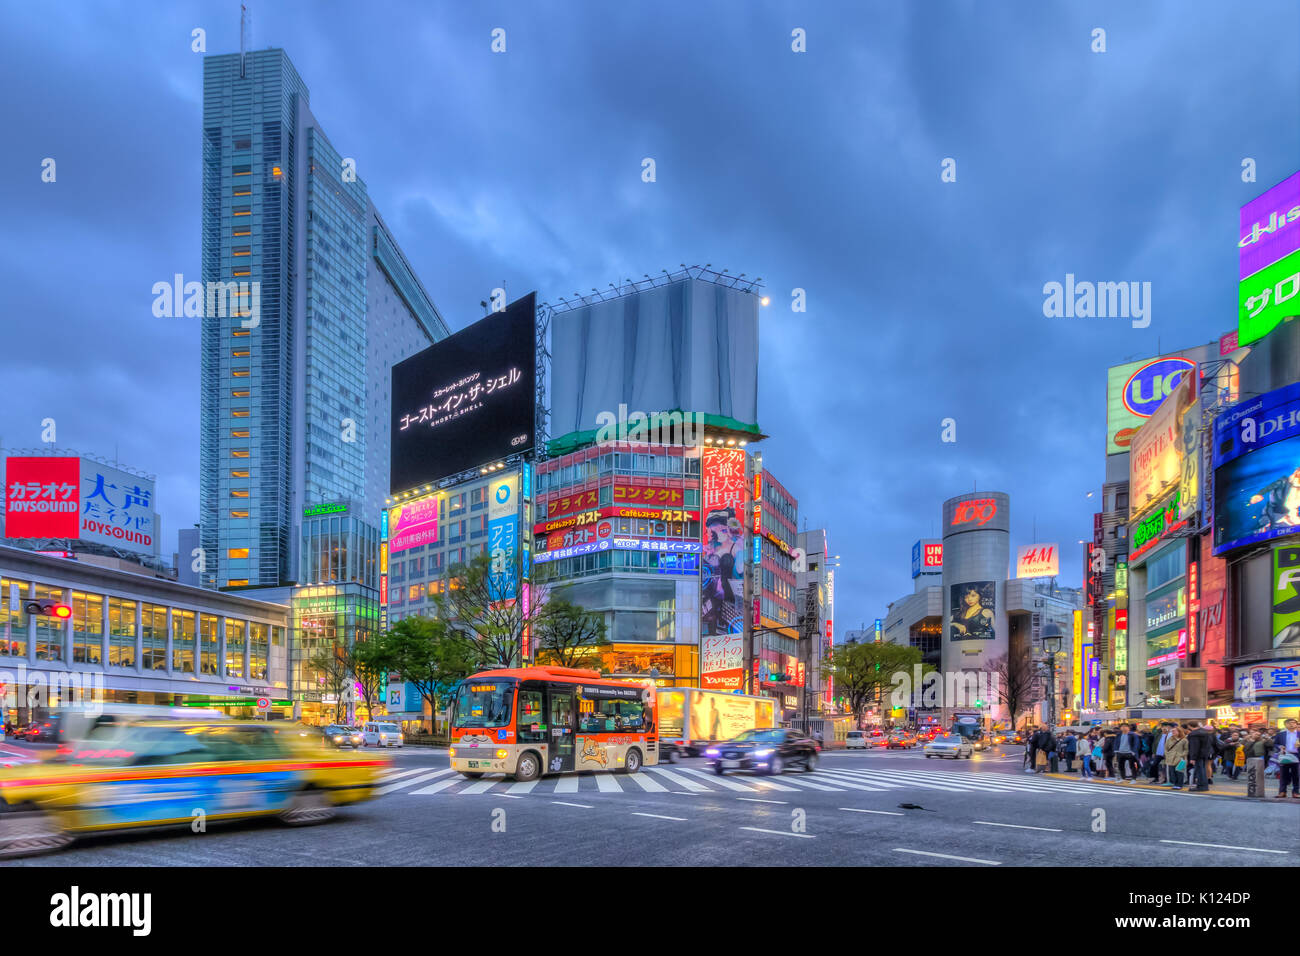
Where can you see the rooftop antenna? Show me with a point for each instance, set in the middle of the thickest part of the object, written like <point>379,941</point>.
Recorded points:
<point>245,36</point>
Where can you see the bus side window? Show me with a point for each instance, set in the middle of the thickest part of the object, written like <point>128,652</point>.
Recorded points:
<point>531,721</point>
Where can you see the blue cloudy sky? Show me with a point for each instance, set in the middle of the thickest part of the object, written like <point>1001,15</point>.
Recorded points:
<point>816,170</point>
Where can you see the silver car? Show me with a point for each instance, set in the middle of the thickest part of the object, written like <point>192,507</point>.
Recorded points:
<point>949,745</point>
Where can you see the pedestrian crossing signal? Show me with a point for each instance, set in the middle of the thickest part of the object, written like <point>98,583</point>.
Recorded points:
<point>48,609</point>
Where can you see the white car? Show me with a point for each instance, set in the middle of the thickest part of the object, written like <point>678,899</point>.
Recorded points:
<point>856,740</point>
<point>949,745</point>
<point>381,735</point>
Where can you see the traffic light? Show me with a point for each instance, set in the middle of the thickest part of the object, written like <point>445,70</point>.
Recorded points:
<point>48,609</point>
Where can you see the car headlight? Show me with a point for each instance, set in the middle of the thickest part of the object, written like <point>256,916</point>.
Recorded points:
<point>711,752</point>
<point>338,740</point>
<point>763,753</point>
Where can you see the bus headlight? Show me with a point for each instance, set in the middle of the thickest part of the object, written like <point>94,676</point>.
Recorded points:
<point>452,751</point>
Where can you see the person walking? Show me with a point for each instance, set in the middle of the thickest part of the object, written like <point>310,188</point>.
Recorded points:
<point>1176,758</point>
<point>1200,751</point>
<point>1069,747</point>
<point>1156,770</point>
<point>1287,743</point>
<point>1083,747</point>
<point>1126,750</point>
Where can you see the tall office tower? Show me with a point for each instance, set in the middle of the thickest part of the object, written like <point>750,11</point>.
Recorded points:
<point>296,353</point>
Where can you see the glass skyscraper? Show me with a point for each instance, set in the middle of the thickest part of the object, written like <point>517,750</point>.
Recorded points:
<point>295,395</point>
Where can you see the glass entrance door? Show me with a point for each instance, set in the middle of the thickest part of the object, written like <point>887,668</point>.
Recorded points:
<point>562,727</point>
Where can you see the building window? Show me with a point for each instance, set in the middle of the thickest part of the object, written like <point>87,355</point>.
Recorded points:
<point>87,627</point>
<point>239,514</point>
<point>240,393</point>
<point>208,643</point>
<point>240,433</point>
<point>121,632</point>
<point>183,642</point>
<point>13,623</point>
<point>257,650</point>
<point>235,632</point>
<point>153,636</point>
<point>239,473</point>
<point>236,552</point>
<point>238,492</point>
<point>50,631</point>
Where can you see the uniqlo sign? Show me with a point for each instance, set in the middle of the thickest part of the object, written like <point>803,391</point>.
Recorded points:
<point>42,497</point>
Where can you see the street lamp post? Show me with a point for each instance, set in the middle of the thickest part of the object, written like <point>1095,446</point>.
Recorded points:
<point>1052,646</point>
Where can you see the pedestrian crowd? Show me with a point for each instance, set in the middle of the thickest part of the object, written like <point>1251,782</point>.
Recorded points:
<point>1174,754</point>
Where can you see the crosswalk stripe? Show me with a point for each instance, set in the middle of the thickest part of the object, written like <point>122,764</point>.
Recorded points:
<point>678,779</point>
<point>767,783</point>
<point>436,787</point>
<point>648,783</point>
<point>988,782</point>
<point>853,785</point>
<point>523,786</point>
<point>720,781</point>
<point>968,784</point>
<point>606,783</point>
<point>480,786</point>
<point>406,783</point>
<point>567,784</point>
<point>391,775</point>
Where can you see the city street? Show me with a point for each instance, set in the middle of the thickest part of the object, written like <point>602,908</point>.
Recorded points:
<point>979,812</point>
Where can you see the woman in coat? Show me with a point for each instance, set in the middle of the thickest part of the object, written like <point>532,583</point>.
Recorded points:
<point>1175,754</point>
<point>1083,747</point>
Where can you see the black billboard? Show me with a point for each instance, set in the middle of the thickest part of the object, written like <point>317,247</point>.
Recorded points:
<point>467,400</point>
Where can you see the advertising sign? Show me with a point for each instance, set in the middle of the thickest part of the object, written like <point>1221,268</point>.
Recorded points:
<point>1273,679</point>
<point>977,512</point>
<point>42,497</point>
<point>617,511</point>
<point>1269,259</point>
<point>1148,532</point>
<point>1286,596</point>
<point>722,665</point>
<point>1155,460</point>
<point>1134,391</point>
<point>927,557</point>
<point>467,400</point>
<point>722,575</point>
<point>1189,482</point>
<point>726,716</point>
<point>1267,297</point>
<point>79,498</point>
<point>972,606</point>
<point>412,524</point>
<point>503,537</point>
<point>1038,561</point>
<point>1257,469</point>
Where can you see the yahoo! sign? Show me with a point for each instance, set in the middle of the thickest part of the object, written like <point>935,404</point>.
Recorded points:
<point>1151,384</point>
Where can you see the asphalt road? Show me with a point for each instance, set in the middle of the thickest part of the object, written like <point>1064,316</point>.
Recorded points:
<point>983,812</point>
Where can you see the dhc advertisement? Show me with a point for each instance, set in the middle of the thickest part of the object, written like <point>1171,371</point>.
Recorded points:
<point>1257,470</point>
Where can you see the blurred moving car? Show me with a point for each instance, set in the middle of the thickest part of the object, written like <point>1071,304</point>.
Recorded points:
<point>46,731</point>
<point>949,745</point>
<point>376,734</point>
<point>900,742</point>
<point>856,740</point>
<point>770,750</point>
<point>159,773</point>
<point>339,736</point>
<point>981,743</point>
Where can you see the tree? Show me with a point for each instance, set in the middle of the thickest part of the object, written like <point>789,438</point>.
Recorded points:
<point>329,661</point>
<point>568,634</point>
<point>471,606</point>
<point>371,662</point>
<point>864,672</point>
<point>1018,685</point>
<point>427,657</point>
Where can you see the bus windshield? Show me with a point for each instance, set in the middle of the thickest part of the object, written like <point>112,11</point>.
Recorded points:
<point>484,703</point>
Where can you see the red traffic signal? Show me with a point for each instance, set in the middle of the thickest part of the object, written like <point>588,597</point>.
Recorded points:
<point>49,609</point>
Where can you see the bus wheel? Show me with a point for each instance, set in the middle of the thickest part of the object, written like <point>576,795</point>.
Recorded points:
<point>632,763</point>
<point>528,767</point>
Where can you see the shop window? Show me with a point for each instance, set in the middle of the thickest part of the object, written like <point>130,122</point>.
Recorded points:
<point>183,641</point>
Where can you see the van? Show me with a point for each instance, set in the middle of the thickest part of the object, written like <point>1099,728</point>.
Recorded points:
<point>855,739</point>
<point>381,735</point>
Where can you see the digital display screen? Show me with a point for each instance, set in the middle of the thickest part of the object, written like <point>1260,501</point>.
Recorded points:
<point>468,400</point>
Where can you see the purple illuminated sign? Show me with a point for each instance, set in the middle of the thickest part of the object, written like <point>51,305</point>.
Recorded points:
<point>1270,226</point>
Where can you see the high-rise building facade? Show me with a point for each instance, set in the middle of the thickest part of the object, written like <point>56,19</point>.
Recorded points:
<point>296,353</point>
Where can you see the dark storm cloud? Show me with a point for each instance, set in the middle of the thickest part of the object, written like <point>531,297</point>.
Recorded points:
<point>817,171</point>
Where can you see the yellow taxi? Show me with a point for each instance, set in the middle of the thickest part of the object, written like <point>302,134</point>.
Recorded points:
<point>160,773</point>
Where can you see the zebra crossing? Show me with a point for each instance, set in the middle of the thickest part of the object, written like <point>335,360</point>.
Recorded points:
<point>682,780</point>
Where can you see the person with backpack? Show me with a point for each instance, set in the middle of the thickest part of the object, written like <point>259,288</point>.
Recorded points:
<point>1083,747</point>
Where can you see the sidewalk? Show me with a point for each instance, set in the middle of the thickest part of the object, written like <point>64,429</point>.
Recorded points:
<point>1220,785</point>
